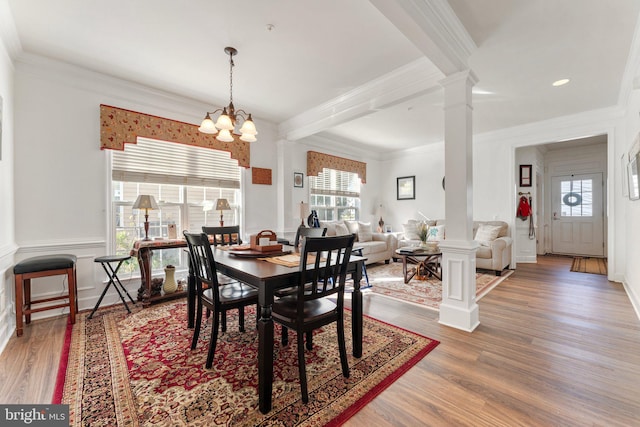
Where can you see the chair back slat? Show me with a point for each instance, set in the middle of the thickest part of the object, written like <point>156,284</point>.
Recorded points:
<point>202,262</point>
<point>305,232</point>
<point>328,273</point>
<point>223,236</point>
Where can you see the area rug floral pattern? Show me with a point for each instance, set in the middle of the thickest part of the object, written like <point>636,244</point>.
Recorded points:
<point>138,370</point>
<point>387,280</point>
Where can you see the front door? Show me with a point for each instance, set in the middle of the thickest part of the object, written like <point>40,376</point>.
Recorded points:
<point>577,214</point>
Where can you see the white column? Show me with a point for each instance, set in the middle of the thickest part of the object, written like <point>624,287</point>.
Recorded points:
<point>458,308</point>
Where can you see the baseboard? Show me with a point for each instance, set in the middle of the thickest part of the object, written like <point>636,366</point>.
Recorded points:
<point>635,299</point>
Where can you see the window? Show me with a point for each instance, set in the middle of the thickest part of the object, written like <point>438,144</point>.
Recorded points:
<point>184,180</point>
<point>577,198</point>
<point>335,195</point>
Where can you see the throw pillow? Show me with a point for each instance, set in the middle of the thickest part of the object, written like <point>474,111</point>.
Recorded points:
<point>330,226</point>
<point>487,234</point>
<point>364,232</point>
<point>353,227</point>
<point>436,233</point>
<point>410,230</point>
<point>341,230</point>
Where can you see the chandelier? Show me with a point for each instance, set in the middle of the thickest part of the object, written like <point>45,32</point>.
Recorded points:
<point>227,121</point>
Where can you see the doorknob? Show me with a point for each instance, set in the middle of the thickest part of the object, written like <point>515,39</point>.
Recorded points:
<point>555,216</point>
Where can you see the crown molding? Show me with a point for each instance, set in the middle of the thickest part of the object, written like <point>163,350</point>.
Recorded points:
<point>8,31</point>
<point>125,93</point>
<point>399,85</point>
<point>340,147</point>
<point>573,126</point>
<point>434,28</point>
<point>631,75</point>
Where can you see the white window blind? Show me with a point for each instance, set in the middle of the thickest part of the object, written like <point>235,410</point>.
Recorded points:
<point>162,162</point>
<point>331,182</point>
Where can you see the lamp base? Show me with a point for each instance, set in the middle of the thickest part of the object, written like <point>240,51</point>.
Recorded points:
<point>146,228</point>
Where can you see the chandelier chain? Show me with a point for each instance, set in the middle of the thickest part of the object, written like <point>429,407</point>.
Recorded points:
<point>231,64</point>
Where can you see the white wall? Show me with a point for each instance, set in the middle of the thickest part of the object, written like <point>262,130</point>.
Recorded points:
<point>525,247</point>
<point>427,165</point>
<point>294,159</point>
<point>7,237</point>
<point>62,177</point>
<point>631,217</point>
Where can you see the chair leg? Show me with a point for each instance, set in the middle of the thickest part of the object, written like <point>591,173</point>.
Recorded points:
<point>284,337</point>
<point>214,339</point>
<point>19,289</point>
<point>224,321</point>
<point>309,337</point>
<point>241,318</point>
<point>196,328</point>
<point>27,300</point>
<point>342,348</point>
<point>302,371</point>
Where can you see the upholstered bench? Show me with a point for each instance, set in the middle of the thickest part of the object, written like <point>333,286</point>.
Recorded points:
<point>43,266</point>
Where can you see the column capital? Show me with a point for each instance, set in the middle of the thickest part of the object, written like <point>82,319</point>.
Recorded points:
<point>467,76</point>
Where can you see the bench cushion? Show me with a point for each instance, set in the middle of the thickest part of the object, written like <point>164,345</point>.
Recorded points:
<point>44,263</point>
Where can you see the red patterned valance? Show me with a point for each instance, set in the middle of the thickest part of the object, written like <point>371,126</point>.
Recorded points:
<point>318,161</point>
<point>119,126</point>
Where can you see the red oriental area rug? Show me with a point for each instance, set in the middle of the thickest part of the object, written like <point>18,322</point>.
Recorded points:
<point>134,370</point>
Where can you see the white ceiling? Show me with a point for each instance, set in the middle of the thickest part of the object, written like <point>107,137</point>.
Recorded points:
<point>320,52</point>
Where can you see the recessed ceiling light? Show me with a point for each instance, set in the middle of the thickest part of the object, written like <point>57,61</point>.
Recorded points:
<point>560,82</point>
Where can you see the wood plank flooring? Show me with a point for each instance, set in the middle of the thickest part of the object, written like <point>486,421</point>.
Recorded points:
<point>553,348</point>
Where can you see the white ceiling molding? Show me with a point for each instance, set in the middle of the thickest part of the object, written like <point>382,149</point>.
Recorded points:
<point>433,27</point>
<point>411,80</point>
<point>574,126</point>
<point>341,147</point>
<point>8,32</point>
<point>631,76</point>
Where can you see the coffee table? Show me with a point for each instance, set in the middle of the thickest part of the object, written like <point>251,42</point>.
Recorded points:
<point>429,259</point>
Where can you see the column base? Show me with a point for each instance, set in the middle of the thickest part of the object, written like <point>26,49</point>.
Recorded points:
<point>460,318</point>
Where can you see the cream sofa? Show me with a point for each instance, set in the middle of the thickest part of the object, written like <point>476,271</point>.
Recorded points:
<point>376,247</point>
<point>494,252</point>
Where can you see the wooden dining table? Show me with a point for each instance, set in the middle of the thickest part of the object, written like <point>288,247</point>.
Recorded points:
<point>267,277</point>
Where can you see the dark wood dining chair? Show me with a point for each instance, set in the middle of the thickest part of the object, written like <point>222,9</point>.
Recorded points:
<point>224,236</point>
<point>228,235</point>
<point>211,295</point>
<point>308,232</point>
<point>323,271</point>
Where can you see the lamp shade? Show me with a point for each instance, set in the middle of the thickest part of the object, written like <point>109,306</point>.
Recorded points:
<point>224,136</point>
<point>207,126</point>
<point>145,201</point>
<point>222,205</point>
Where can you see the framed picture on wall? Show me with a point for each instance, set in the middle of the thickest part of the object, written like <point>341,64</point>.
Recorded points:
<point>634,190</point>
<point>298,179</point>
<point>406,187</point>
<point>525,175</point>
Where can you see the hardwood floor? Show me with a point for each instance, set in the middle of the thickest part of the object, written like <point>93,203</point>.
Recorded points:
<point>553,348</point>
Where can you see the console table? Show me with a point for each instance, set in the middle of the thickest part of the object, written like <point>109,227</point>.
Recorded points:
<point>143,250</point>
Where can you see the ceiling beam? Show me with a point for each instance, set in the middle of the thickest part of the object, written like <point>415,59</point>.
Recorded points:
<point>434,28</point>
<point>409,81</point>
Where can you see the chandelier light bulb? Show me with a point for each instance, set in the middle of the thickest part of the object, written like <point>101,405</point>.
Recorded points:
<point>225,136</point>
<point>207,126</point>
<point>248,127</point>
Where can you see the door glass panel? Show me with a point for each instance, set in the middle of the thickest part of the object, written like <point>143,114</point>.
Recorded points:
<point>576,198</point>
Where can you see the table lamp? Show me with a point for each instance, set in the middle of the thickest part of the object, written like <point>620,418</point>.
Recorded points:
<point>304,212</point>
<point>146,202</point>
<point>222,205</point>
